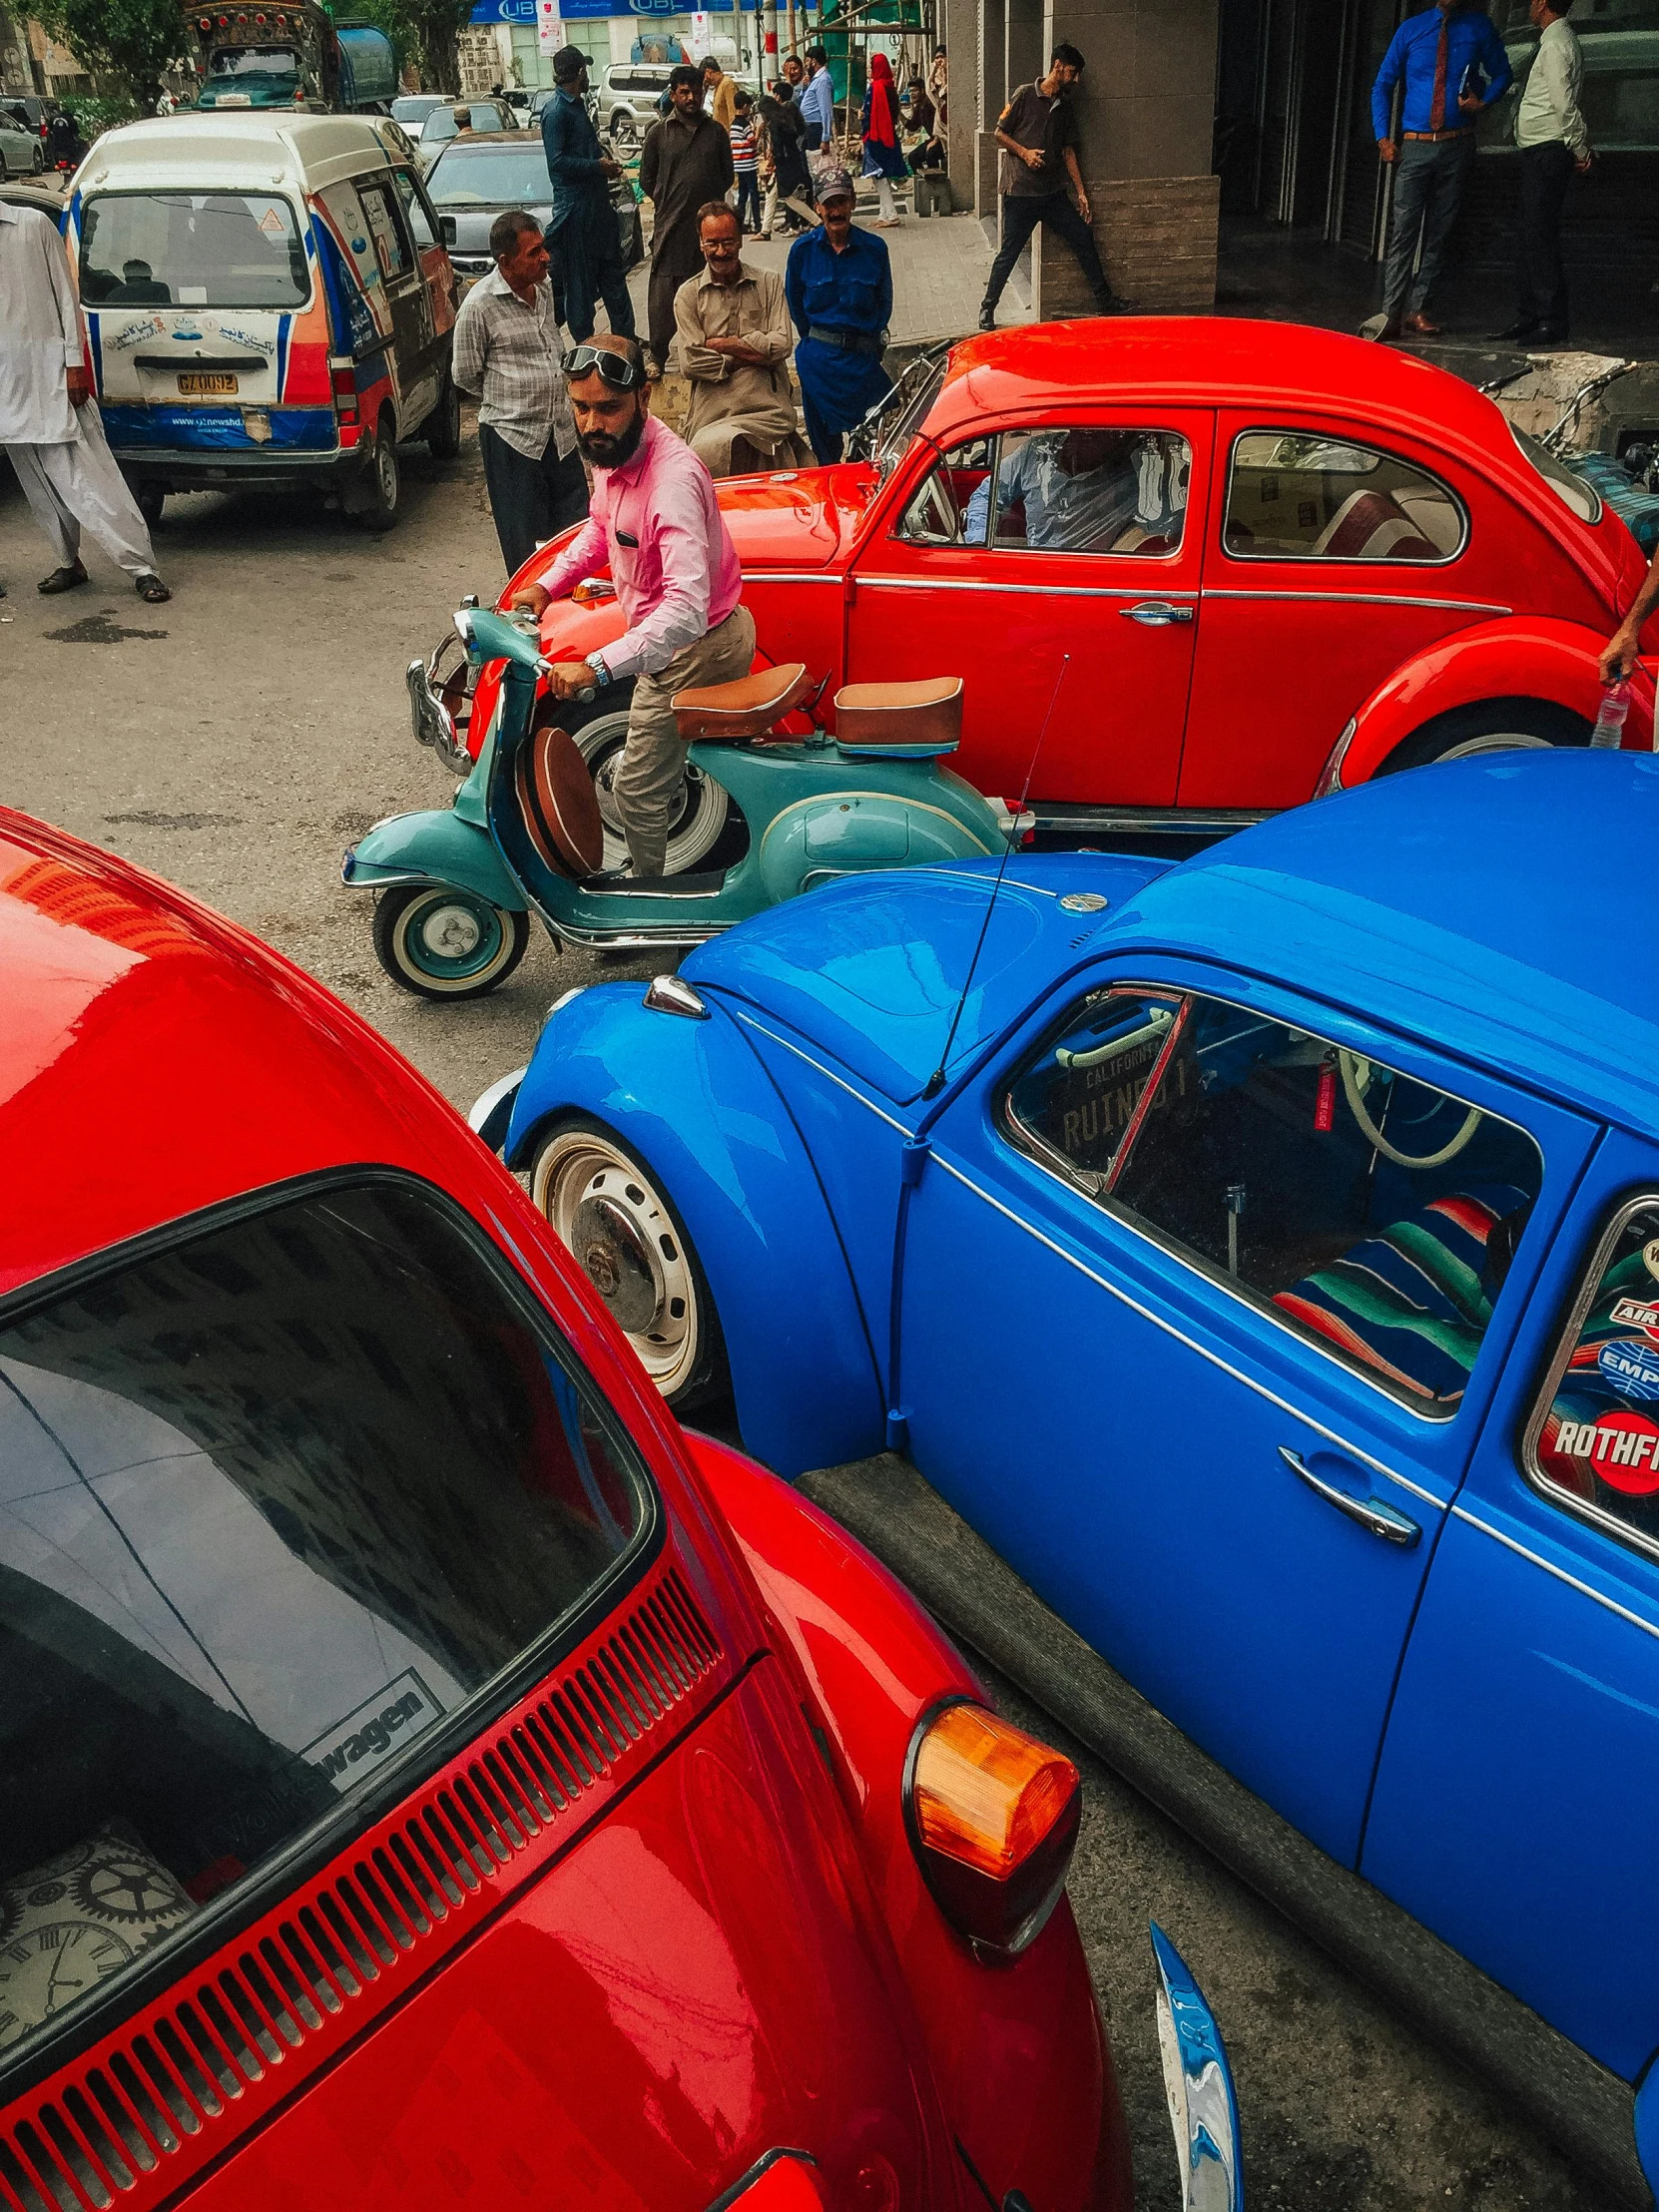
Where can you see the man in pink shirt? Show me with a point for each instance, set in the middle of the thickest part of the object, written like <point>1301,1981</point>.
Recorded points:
<point>653,518</point>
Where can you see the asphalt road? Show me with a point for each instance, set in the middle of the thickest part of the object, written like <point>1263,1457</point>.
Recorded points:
<point>235,741</point>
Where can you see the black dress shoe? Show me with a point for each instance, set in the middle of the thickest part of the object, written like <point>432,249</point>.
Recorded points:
<point>988,318</point>
<point>1525,329</point>
<point>1550,333</point>
<point>62,579</point>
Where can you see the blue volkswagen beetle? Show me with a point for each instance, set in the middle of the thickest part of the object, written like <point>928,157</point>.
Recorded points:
<point>1261,1256</point>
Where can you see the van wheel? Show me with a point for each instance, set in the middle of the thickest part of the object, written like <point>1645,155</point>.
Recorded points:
<point>607,1206</point>
<point>1490,726</point>
<point>443,424</point>
<point>380,480</point>
<point>444,943</point>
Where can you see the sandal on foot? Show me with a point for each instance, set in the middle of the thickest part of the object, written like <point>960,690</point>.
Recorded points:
<point>151,589</point>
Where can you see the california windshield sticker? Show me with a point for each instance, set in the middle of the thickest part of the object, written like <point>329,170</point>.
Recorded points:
<point>375,1732</point>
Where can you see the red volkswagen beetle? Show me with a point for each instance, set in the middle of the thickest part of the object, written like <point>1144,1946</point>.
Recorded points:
<point>1273,555</point>
<point>432,1779</point>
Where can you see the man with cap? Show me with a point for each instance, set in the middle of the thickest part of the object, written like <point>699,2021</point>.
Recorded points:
<point>583,228</point>
<point>839,285</point>
<point>655,524</point>
<point>685,162</point>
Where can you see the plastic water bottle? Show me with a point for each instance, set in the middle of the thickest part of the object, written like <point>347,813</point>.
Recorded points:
<point>1615,705</point>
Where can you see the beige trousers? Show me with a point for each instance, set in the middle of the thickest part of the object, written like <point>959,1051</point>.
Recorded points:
<point>653,759</point>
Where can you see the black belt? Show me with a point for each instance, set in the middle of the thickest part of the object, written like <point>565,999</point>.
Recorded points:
<point>849,342</point>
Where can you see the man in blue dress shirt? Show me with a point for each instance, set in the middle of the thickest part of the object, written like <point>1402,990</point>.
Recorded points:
<point>839,285</point>
<point>816,101</point>
<point>583,229</point>
<point>1451,64</point>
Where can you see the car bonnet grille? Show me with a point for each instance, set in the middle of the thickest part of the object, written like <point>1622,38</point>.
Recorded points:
<point>149,2105</point>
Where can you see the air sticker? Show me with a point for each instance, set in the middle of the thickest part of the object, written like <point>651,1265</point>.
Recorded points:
<point>1622,1447</point>
<point>1636,1312</point>
<point>1632,1367</point>
<point>367,1738</point>
<point>1650,1256</point>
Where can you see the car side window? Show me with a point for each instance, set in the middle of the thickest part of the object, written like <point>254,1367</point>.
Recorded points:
<point>1293,495</point>
<point>414,210</point>
<point>938,508</point>
<point>390,245</point>
<point>1595,1443</point>
<point>1369,1211</point>
<point>1086,489</point>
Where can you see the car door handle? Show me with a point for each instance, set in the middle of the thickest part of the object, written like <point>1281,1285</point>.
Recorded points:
<point>1369,1512</point>
<point>1155,614</point>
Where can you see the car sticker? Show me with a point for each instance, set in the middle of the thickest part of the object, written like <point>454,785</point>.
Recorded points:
<point>372,1732</point>
<point>1622,1446</point>
<point>1650,1256</point>
<point>1631,1366</point>
<point>1636,1312</point>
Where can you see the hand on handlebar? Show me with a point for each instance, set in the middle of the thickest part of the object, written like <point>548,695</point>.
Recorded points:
<point>532,599</point>
<point>571,680</point>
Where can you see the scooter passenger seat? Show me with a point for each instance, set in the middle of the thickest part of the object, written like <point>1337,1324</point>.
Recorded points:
<point>729,713</point>
<point>907,721</point>
<point>558,804</point>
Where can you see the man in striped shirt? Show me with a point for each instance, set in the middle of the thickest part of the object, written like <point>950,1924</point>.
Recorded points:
<point>745,160</point>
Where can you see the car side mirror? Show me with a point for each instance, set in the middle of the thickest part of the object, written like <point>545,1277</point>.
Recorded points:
<point>446,224</point>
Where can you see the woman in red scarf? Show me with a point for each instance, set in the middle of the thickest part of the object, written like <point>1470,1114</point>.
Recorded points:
<point>883,159</point>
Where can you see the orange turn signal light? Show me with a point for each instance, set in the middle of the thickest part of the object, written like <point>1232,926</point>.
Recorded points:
<point>993,1816</point>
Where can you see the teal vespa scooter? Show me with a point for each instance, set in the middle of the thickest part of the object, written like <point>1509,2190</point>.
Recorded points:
<point>524,834</point>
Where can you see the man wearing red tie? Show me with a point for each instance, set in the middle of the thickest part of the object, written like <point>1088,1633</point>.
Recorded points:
<point>1451,64</point>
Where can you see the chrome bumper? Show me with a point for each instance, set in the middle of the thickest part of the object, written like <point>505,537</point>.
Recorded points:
<point>431,719</point>
<point>492,1110</point>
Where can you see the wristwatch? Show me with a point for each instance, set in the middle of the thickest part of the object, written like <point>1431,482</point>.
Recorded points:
<point>596,660</point>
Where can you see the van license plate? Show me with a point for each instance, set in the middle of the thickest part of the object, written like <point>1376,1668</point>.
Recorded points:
<point>200,381</point>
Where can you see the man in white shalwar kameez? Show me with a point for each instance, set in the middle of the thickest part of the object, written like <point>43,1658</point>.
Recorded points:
<point>49,419</point>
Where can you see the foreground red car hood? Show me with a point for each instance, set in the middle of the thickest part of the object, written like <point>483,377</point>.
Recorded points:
<point>698,1981</point>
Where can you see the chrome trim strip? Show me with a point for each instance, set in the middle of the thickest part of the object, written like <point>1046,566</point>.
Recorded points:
<point>1295,1413</point>
<point>793,576</point>
<point>742,1015</point>
<point>1649,1628</point>
<point>1038,591</point>
<point>1369,599</point>
<point>1141,819</point>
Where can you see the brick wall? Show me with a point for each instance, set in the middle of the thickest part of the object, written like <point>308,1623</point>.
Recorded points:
<point>1157,238</point>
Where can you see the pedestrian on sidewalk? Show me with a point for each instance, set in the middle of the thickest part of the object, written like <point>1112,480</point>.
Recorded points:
<point>745,159</point>
<point>1037,133</point>
<point>583,230</point>
<point>1452,66</point>
<point>795,76</point>
<point>816,102</point>
<point>1553,143</point>
<point>784,162</point>
<point>734,342</point>
<point>507,356</point>
<point>657,525</point>
<point>719,91</point>
<point>838,283</point>
<point>884,157</point>
<point>686,162</point>
<point>938,85</point>
<point>49,419</point>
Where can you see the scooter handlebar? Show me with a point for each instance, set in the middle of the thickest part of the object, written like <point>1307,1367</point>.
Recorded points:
<point>585,697</point>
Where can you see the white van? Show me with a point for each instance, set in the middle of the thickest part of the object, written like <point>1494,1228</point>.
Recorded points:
<point>269,298</point>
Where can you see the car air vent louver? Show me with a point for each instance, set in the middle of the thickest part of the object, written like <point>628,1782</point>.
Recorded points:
<point>292,1988</point>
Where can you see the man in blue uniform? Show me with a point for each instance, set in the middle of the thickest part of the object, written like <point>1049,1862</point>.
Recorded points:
<point>1451,64</point>
<point>839,285</point>
<point>583,230</point>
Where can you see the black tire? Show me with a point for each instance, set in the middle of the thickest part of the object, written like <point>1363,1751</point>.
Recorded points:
<point>616,1218</point>
<point>383,481</point>
<point>411,926</point>
<point>444,426</point>
<point>151,499</point>
<point>1488,726</point>
<point>38,163</point>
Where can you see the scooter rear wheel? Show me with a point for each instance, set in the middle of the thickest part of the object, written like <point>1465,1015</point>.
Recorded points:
<point>444,943</point>
<point>697,813</point>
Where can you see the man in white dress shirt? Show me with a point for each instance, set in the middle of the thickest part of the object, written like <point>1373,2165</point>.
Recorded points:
<point>49,419</point>
<point>1549,130</point>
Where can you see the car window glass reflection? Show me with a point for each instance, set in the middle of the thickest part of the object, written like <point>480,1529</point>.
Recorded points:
<point>273,1504</point>
<point>1293,494</point>
<point>1600,1442</point>
<point>1077,1097</point>
<point>940,511</point>
<point>1086,489</point>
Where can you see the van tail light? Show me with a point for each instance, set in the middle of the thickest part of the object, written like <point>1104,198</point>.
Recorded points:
<point>344,383</point>
<point>992,1815</point>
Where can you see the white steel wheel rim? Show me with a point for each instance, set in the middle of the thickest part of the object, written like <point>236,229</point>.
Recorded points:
<point>1496,741</point>
<point>696,816</point>
<point>623,1238</point>
<point>435,937</point>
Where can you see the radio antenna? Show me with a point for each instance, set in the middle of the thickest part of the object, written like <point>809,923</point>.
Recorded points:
<point>935,1082</point>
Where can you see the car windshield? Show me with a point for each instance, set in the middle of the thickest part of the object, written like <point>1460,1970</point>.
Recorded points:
<point>287,1508</point>
<point>1574,491</point>
<point>192,249</point>
<point>884,434</point>
<point>412,110</point>
<point>469,177</point>
<point>253,61</point>
<point>440,124</point>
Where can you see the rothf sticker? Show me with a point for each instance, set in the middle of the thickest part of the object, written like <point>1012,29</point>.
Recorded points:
<point>365,1739</point>
<point>1636,1312</point>
<point>1623,1450</point>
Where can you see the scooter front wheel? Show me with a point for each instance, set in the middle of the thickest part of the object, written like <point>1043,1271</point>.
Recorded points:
<point>444,943</point>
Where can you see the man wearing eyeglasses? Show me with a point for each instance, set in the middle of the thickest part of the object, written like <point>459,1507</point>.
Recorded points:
<point>655,522</point>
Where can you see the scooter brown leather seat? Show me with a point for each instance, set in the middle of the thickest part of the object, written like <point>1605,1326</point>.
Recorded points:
<point>558,804</point>
<point>924,716</point>
<point>727,713</point>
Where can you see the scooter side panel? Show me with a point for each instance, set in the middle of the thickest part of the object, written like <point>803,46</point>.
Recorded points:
<point>439,848</point>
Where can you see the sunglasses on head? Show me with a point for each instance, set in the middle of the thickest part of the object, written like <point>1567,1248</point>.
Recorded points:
<point>618,370</point>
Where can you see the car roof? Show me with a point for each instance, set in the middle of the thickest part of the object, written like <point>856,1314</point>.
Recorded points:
<point>298,150</point>
<point>1498,909</point>
<point>1213,361</point>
